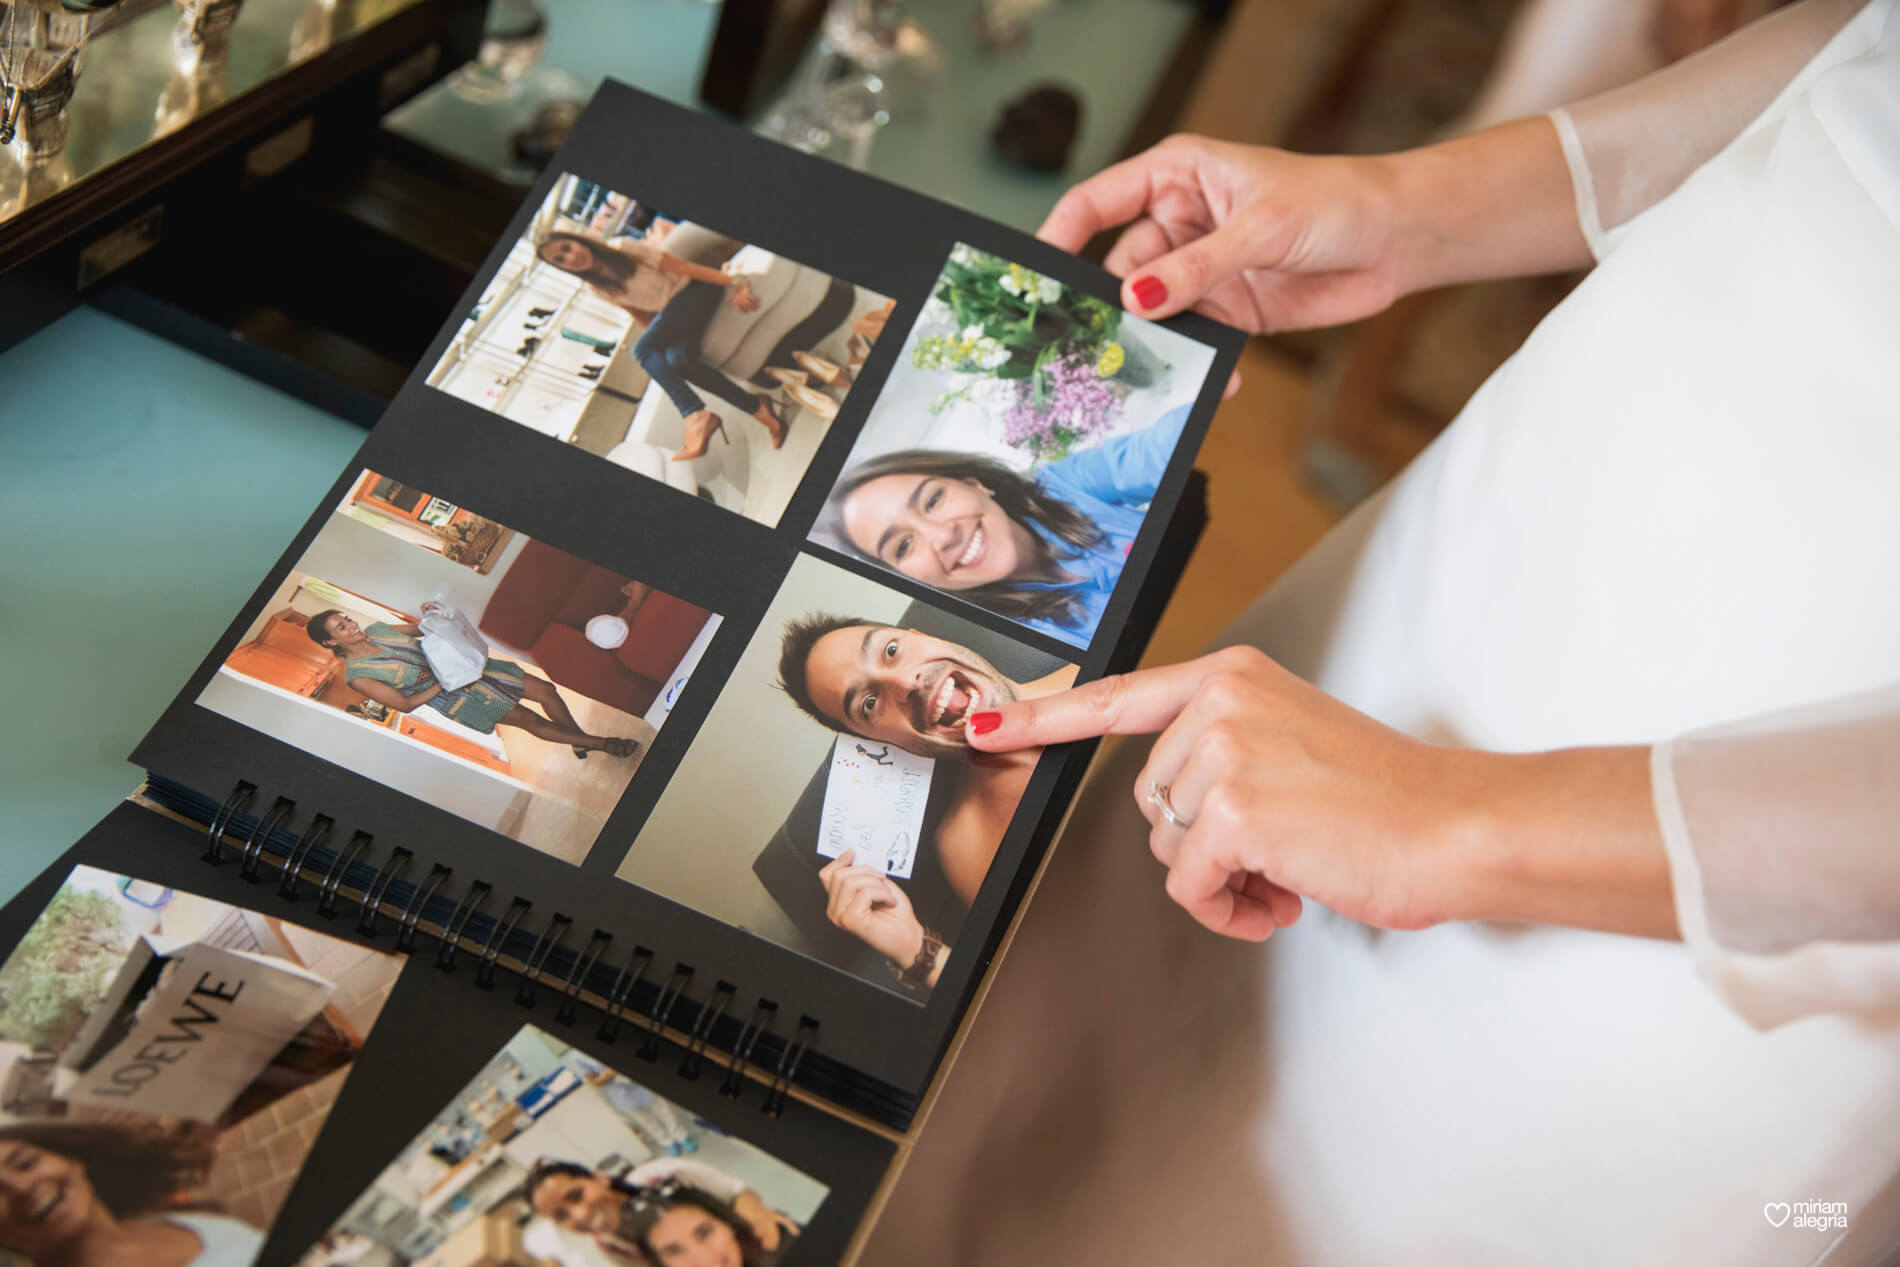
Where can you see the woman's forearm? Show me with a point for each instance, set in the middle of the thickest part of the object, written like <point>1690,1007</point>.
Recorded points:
<point>1504,202</point>
<point>1567,837</point>
<point>695,272</point>
<point>1497,203</point>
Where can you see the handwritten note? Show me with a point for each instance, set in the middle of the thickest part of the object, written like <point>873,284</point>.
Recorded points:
<point>874,804</point>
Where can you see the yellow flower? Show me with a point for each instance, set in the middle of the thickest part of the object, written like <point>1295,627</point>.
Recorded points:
<point>1110,360</point>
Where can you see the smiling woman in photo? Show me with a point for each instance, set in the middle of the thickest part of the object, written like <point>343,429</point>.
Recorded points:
<point>681,1226</point>
<point>1044,549</point>
<point>92,1194</point>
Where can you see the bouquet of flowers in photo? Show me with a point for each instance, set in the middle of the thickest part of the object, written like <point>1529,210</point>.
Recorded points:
<point>1045,357</point>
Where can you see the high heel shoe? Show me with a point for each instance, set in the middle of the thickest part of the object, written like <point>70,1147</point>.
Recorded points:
<point>785,378</point>
<point>824,371</point>
<point>768,417</point>
<point>699,434</point>
<point>816,401</point>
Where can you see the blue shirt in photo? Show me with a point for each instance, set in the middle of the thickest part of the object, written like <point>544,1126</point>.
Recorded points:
<point>1112,485</point>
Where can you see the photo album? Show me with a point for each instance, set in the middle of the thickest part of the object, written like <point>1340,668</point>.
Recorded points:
<point>572,853</point>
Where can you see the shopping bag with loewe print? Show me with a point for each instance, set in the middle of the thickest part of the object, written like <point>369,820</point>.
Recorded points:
<point>186,1027</point>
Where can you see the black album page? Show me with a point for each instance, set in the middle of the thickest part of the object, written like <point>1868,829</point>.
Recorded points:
<point>664,591</point>
<point>196,1058</point>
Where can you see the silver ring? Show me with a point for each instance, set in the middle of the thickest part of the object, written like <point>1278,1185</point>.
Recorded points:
<point>1158,797</point>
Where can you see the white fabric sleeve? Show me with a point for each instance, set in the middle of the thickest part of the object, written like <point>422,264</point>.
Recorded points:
<point>1783,835</point>
<point>1630,147</point>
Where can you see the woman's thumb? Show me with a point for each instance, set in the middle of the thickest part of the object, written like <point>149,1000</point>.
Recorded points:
<point>1178,280</point>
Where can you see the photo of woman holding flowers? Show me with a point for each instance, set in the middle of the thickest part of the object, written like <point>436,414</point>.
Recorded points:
<point>1012,455</point>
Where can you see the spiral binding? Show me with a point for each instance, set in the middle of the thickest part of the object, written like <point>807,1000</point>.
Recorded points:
<point>452,931</point>
<point>312,838</point>
<point>577,976</point>
<point>662,1008</point>
<point>242,794</point>
<point>709,1016</point>
<point>333,878</point>
<point>278,813</point>
<point>776,1098</point>
<point>543,946</point>
<point>373,895</point>
<point>742,1050</point>
<point>412,914</point>
<point>623,989</point>
<point>307,852</point>
<point>497,938</point>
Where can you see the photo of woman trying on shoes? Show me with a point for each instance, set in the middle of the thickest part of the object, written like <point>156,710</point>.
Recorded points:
<point>680,299</point>
<point>653,340</point>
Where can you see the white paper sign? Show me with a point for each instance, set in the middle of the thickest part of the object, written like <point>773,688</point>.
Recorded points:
<point>186,1027</point>
<point>874,804</point>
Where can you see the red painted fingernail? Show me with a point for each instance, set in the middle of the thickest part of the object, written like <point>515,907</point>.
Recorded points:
<point>1150,292</point>
<point>984,723</point>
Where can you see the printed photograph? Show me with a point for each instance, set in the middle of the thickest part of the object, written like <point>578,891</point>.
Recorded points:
<point>710,365</point>
<point>438,652</point>
<point>166,1062</point>
<point>551,1159</point>
<point>1012,454</point>
<point>831,802</point>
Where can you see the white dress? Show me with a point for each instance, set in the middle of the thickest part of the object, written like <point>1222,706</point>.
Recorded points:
<point>1679,504</point>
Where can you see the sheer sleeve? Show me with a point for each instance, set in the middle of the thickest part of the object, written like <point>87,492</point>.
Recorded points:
<point>1783,834</point>
<point>1631,146</point>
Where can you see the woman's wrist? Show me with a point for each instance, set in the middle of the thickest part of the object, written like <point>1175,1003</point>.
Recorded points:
<point>1567,837</point>
<point>1497,203</point>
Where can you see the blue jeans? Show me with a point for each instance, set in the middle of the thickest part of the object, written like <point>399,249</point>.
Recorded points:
<point>669,351</point>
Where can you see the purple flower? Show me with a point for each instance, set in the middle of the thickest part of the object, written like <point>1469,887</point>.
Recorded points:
<point>1077,405</point>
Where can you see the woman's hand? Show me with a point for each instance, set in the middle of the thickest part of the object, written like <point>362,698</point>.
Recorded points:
<point>1284,791</point>
<point>741,295</point>
<point>768,1225</point>
<point>1268,240</point>
<point>867,904</point>
<point>1259,238</point>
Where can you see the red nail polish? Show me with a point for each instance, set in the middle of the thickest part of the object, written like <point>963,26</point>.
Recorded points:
<point>984,723</point>
<point>1151,292</point>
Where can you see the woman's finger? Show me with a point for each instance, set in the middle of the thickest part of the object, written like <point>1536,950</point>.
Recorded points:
<point>1176,281</point>
<point>1185,790</point>
<point>1202,882</point>
<point>1137,703</point>
<point>1115,195</point>
<point>1285,904</point>
<point>1140,242</point>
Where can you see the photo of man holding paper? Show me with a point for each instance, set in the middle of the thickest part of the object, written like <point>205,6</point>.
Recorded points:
<point>872,862</point>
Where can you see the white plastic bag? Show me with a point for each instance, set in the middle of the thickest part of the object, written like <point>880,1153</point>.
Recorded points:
<point>456,651</point>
